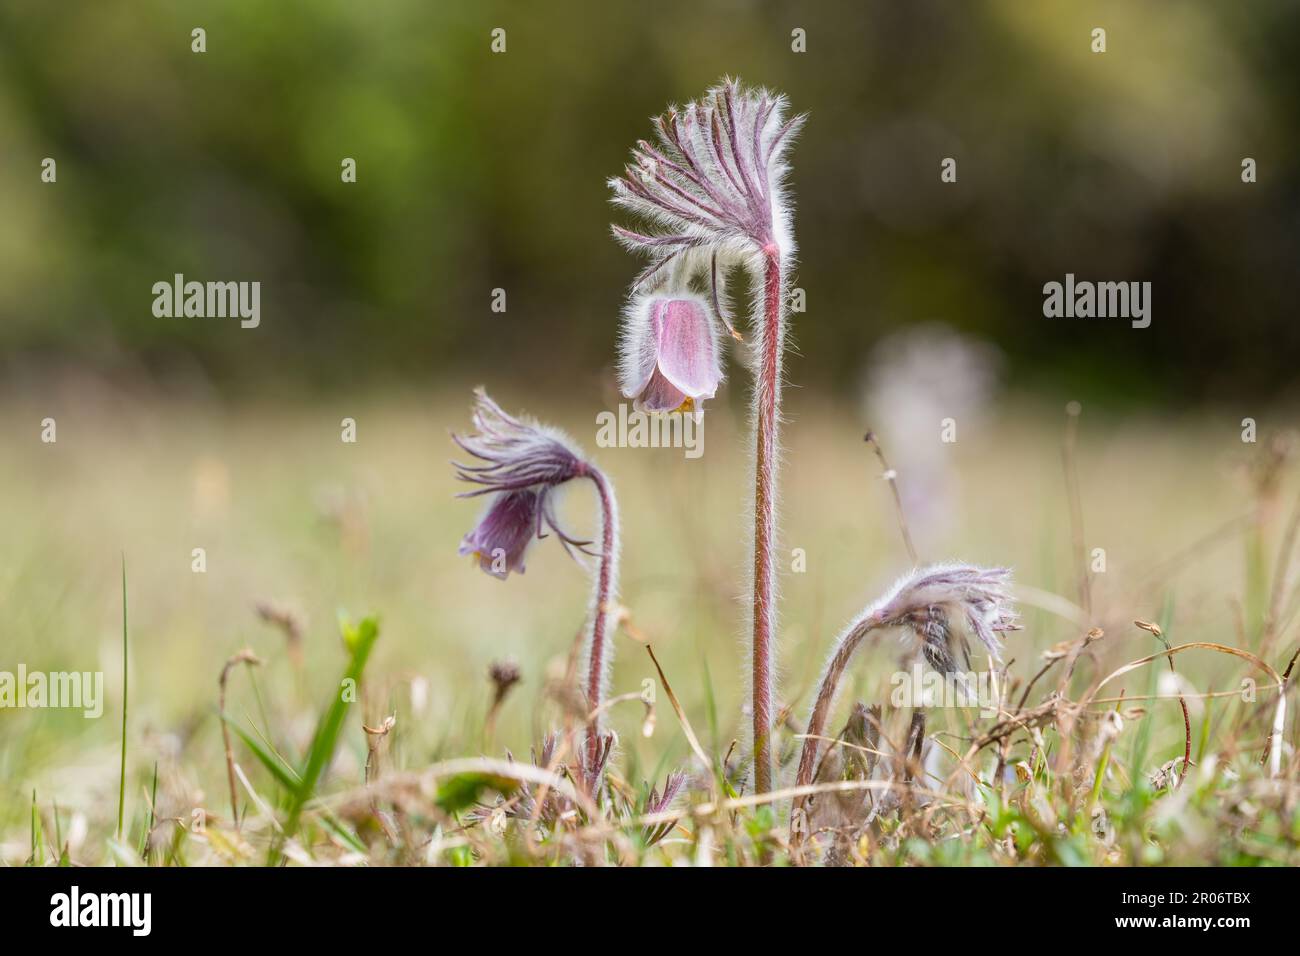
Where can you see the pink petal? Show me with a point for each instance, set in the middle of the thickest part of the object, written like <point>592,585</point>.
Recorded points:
<point>687,346</point>
<point>637,350</point>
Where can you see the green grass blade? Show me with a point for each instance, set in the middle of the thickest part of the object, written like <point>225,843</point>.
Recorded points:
<point>38,837</point>
<point>284,775</point>
<point>711,709</point>
<point>343,832</point>
<point>360,640</point>
<point>153,803</point>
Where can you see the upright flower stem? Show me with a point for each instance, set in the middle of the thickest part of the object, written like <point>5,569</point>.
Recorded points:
<point>767,399</point>
<point>714,185</point>
<point>603,599</point>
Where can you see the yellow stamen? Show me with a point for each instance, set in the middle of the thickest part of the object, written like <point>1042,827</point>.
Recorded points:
<point>686,406</point>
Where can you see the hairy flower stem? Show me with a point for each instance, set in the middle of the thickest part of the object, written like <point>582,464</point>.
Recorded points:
<point>605,592</point>
<point>821,711</point>
<point>767,399</point>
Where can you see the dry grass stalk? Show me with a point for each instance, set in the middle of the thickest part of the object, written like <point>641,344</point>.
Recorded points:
<point>246,656</point>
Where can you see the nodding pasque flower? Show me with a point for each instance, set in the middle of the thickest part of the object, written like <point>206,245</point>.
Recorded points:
<point>935,603</point>
<point>669,354</point>
<point>713,183</point>
<point>523,464</point>
<point>929,601</point>
<point>712,193</point>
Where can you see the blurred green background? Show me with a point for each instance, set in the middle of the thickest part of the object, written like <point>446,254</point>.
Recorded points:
<point>479,171</point>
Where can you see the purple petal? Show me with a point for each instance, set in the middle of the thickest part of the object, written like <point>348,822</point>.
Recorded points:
<point>660,395</point>
<point>502,535</point>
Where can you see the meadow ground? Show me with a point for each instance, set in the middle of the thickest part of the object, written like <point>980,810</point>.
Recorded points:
<point>1191,519</point>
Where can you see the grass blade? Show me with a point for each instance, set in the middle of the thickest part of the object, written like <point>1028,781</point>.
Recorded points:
<point>38,837</point>
<point>284,775</point>
<point>153,804</point>
<point>360,640</point>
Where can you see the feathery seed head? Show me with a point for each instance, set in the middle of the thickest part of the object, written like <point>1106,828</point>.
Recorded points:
<point>714,181</point>
<point>938,604</point>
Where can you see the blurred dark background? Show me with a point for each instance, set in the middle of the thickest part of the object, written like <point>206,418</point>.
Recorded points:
<point>479,171</point>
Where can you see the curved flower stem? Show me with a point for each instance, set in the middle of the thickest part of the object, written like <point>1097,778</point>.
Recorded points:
<point>604,596</point>
<point>767,399</point>
<point>839,662</point>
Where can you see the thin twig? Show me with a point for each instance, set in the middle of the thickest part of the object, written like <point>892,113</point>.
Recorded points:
<point>892,477</point>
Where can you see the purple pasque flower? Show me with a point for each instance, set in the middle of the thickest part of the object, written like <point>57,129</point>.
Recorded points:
<point>713,182</point>
<point>669,353</point>
<point>498,542</point>
<point>523,463</point>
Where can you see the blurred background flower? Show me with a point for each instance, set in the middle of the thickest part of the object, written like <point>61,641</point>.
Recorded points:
<point>915,380</point>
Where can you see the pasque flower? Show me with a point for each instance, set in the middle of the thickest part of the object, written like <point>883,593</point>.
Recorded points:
<point>505,531</point>
<point>711,192</point>
<point>521,464</point>
<point>669,353</point>
<point>713,182</point>
<point>936,605</point>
